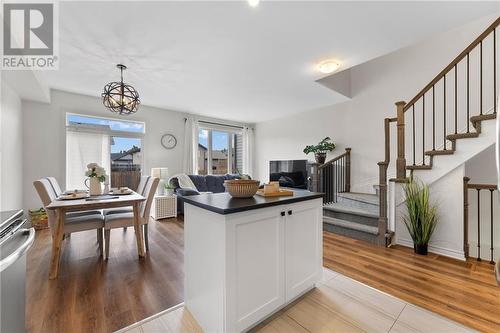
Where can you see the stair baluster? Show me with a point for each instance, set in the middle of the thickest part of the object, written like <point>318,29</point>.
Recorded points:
<point>484,83</point>
<point>433,118</point>
<point>492,231</point>
<point>423,129</point>
<point>478,187</point>
<point>444,111</point>
<point>478,225</point>
<point>494,71</point>
<point>456,101</point>
<point>335,176</point>
<point>468,93</point>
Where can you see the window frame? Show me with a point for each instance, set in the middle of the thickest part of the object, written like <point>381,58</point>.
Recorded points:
<point>111,133</point>
<point>230,130</point>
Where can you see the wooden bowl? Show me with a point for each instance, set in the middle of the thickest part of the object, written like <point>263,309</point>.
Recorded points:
<point>242,188</point>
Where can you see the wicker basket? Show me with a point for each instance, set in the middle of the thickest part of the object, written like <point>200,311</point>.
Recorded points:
<point>39,219</point>
<point>242,188</point>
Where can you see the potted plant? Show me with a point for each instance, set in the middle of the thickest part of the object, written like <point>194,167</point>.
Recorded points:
<point>421,218</point>
<point>169,189</point>
<point>96,175</point>
<point>320,149</point>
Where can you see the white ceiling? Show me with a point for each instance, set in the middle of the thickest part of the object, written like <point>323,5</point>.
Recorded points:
<point>231,61</point>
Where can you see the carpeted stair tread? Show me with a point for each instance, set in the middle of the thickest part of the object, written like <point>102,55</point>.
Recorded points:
<point>367,198</point>
<point>354,208</point>
<point>351,225</point>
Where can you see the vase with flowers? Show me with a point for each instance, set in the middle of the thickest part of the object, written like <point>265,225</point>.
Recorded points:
<point>96,175</point>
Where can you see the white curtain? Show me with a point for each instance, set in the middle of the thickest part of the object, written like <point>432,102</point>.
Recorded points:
<point>190,158</point>
<point>83,148</point>
<point>248,148</point>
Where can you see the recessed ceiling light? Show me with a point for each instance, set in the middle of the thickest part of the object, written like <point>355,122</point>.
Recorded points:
<point>328,66</point>
<point>253,3</point>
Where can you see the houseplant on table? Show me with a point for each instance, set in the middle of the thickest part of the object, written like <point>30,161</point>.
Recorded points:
<point>96,175</point>
<point>421,218</point>
<point>169,189</point>
<point>320,149</point>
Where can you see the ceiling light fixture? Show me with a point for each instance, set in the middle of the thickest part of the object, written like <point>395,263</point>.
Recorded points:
<point>328,66</point>
<point>253,3</point>
<point>120,97</point>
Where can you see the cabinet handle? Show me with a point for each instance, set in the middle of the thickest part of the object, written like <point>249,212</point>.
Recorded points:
<point>290,212</point>
<point>282,213</point>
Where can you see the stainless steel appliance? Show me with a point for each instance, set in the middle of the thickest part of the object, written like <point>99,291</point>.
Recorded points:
<point>15,240</point>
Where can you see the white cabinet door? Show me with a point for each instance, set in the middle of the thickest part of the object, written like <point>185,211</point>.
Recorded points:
<point>303,247</point>
<point>255,271</point>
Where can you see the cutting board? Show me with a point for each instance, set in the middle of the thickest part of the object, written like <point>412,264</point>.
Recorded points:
<point>281,193</point>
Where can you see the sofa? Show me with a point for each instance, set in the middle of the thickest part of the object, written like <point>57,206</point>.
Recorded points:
<point>203,183</point>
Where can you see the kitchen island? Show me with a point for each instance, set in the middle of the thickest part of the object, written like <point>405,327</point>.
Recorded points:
<point>245,259</point>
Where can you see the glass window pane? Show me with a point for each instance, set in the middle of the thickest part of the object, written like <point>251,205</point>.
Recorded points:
<point>126,160</point>
<point>106,124</point>
<point>220,150</point>
<point>203,152</point>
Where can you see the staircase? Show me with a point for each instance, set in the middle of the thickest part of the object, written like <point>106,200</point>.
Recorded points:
<point>354,215</point>
<point>346,213</point>
<point>450,108</point>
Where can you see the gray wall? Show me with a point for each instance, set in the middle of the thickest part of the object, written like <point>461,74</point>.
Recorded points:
<point>44,137</point>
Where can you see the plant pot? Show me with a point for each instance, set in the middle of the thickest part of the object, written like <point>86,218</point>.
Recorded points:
<point>420,249</point>
<point>320,158</point>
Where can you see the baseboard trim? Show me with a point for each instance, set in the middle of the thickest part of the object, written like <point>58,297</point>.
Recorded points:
<point>459,255</point>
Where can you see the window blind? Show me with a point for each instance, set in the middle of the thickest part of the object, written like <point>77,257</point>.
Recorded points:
<point>83,148</point>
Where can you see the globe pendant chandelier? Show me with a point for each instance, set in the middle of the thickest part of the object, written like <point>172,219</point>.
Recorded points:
<point>120,97</point>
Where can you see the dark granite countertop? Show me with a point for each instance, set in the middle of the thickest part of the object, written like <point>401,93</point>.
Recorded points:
<point>223,203</point>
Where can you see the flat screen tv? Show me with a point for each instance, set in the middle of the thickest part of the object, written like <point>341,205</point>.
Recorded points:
<point>290,173</point>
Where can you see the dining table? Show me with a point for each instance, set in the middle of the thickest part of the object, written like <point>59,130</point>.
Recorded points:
<point>61,207</point>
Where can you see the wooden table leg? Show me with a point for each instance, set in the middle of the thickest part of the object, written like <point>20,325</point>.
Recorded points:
<point>57,243</point>
<point>138,230</point>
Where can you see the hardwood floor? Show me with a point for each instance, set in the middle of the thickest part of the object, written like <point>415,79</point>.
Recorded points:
<point>92,295</point>
<point>462,291</point>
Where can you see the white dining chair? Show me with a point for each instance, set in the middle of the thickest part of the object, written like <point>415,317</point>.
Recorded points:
<point>140,190</point>
<point>72,223</point>
<point>54,185</point>
<point>120,220</point>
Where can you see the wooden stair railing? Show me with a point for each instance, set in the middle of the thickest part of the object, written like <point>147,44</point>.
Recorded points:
<point>436,93</point>
<point>478,187</point>
<point>383,165</point>
<point>335,176</point>
<point>431,92</point>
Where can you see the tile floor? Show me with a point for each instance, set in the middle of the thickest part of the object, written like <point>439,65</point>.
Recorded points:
<point>338,304</point>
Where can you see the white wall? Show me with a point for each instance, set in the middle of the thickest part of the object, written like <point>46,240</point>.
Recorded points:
<point>447,192</point>
<point>44,138</point>
<point>358,123</point>
<point>482,170</point>
<point>11,147</point>
<point>448,236</point>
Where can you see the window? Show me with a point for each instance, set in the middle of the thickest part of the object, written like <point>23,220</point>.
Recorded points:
<point>114,144</point>
<point>220,150</point>
<point>220,153</point>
